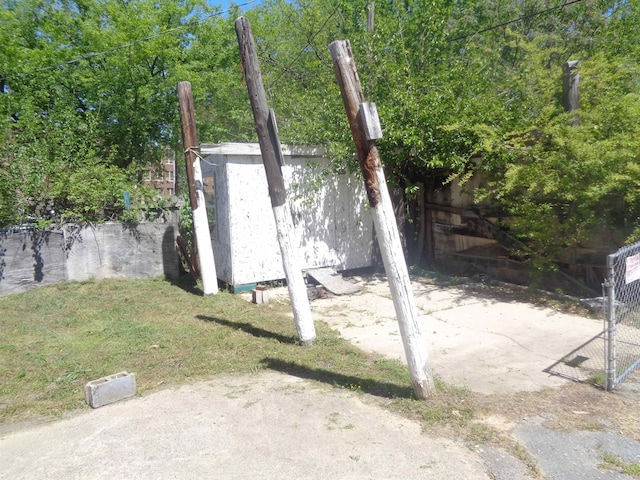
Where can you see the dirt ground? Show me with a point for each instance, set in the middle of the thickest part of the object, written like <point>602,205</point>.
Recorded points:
<point>484,338</point>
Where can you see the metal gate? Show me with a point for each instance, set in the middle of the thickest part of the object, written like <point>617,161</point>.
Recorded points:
<point>622,315</point>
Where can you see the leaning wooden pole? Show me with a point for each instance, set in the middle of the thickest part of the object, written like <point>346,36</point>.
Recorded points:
<point>204,251</point>
<point>266,129</point>
<point>384,220</point>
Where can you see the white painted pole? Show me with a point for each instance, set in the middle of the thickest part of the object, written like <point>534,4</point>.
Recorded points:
<point>383,218</point>
<point>204,250</point>
<point>203,234</point>
<point>293,273</point>
<point>267,131</point>
<point>395,267</point>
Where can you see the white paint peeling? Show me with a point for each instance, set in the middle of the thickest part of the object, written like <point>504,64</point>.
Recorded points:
<point>332,225</point>
<point>293,273</point>
<point>400,285</point>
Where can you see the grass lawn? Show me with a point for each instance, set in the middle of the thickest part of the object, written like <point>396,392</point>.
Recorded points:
<point>55,339</point>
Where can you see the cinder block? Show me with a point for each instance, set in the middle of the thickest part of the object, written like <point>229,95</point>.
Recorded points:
<point>110,389</point>
<point>260,294</point>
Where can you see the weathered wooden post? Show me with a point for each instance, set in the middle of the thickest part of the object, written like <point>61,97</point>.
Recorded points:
<point>204,251</point>
<point>571,88</point>
<point>267,131</point>
<point>365,130</point>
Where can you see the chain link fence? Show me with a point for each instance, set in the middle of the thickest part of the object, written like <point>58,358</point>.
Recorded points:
<point>622,315</point>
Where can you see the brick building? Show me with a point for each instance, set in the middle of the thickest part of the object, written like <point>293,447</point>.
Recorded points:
<point>163,177</point>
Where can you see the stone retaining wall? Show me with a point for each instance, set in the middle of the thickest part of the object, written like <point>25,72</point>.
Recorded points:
<point>31,258</point>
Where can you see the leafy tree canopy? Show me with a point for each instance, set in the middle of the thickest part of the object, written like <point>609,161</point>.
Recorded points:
<point>89,95</point>
<point>476,86</point>
<point>461,87</point>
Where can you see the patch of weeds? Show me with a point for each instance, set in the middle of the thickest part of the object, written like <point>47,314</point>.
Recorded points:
<point>355,458</point>
<point>388,363</point>
<point>256,368</point>
<point>290,389</point>
<point>612,462</point>
<point>594,426</point>
<point>525,457</point>
<point>442,386</point>
<point>354,387</point>
<point>70,376</point>
<point>481,433</point>
<point>326,341</point>
<point>450,406</point>
<point>335,309</point>
<point>441,410</point>
<point>332,421</point>
<point>237,392</point>
<point>597,378</point>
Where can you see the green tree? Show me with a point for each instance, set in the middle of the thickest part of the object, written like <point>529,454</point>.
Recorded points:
<point>562,183</point>
<point>87,85</point>
<point>475,86</point>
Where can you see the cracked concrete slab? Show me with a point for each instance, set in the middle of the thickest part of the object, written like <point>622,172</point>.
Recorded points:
<point>265,426</point>
<point>487,345</point>
<point>576,455</point>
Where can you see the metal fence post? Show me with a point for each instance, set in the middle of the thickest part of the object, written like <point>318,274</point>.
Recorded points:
<point>610,318</point>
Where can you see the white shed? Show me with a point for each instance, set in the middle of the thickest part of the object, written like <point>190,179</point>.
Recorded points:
<point>330,213</point>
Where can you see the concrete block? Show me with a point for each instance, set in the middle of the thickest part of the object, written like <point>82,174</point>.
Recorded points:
<point>110,389</point>
<point>259,295</point>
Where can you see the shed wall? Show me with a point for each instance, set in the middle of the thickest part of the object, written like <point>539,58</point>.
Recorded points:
<point>332,223</point>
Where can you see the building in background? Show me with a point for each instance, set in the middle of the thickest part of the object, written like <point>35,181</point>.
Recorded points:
<point>162,177</point>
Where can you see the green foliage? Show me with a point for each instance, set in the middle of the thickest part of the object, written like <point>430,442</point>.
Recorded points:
<point>561,182</point>
<point>453,102</point>
<point>88,191</point>
<point>90,99</point>
<point>185,219</point>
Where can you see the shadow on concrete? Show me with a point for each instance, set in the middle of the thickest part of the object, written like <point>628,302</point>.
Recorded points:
<point>250,329</point>
<point>585,363</point>
<point>351,382</point>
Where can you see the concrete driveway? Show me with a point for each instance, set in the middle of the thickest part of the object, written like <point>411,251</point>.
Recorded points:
<point>474,340</point>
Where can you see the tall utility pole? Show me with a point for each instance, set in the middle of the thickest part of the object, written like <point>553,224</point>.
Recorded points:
<point>371,17</point>
<point>203,251</point>
<point>571,88</point>
<point>365,130</point>
<point>267,131</point>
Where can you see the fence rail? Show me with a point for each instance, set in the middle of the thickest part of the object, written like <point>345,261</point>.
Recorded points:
<point>622,315</point>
